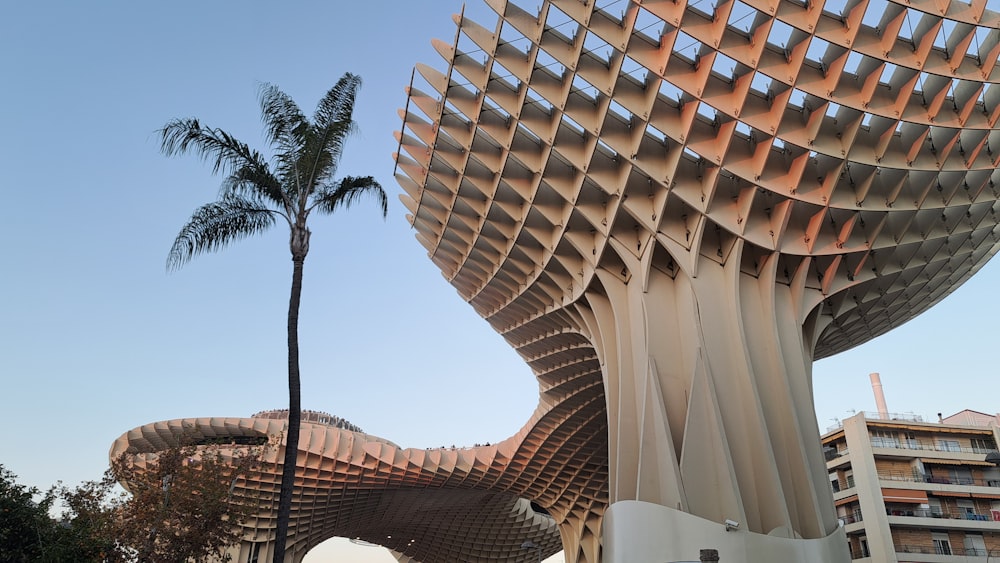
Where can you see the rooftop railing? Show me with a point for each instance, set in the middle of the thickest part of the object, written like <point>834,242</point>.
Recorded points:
<point>891,416</point>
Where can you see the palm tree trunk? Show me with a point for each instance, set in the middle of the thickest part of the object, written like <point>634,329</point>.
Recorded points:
<point>294,413</point>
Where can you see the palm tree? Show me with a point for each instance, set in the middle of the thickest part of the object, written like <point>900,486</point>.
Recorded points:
<point>255,193</point>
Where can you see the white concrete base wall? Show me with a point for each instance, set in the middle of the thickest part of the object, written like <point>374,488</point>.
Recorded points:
<point>642,532</point>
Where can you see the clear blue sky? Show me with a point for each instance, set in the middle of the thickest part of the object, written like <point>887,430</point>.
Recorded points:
<point>97,338</point>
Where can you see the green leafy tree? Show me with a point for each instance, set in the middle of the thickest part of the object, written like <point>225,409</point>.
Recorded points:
<point>183,503</point>
<point>89,526</point>
<point>257,193</point>
<point>25,525</point>
<point>29,534</point>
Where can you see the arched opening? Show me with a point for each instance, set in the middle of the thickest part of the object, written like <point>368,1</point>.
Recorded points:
<point>342,549</point>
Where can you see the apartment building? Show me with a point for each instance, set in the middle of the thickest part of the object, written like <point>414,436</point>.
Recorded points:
<point>907,490</point>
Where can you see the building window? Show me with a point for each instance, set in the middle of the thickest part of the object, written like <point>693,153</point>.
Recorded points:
<point>983,445</point>
<point>961,476</point>
<point>865,552</point>
<point>975,545</point>
<point>885,439</point>
<point>966,509</point>
<point>949,446</point>
<point>941,544</point>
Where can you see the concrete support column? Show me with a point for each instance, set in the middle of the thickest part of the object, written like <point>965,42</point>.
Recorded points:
<point>707,375</point>
<point>580,531</point>
<point>866,483</point>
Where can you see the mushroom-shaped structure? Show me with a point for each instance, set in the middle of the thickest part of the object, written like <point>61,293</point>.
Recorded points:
<point>689,201</point>
<point>437,505</point>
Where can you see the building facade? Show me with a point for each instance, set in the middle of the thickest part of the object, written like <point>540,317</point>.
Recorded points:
<point>910,491</point>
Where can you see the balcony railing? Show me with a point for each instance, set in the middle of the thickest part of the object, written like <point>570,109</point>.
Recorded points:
<point>944,550</point>
<point>831,454</point>
<point>851,518</point>
<point>842,485</point>
<point>900,476</point>
<point>946,514</point>
<point>936,550</point>
<point>896,444</point>
<point>903,417</point>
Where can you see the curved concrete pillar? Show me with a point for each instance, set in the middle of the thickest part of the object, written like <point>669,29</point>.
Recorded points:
<point>641,531</point>
<point>707,379</point>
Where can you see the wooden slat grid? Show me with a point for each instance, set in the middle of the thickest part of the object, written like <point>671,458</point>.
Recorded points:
<point>850,145</point>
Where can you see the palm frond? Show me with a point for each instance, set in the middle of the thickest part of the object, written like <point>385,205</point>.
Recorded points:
<point>224,151</point>
<point>332,125</point>
<point>347,191</point>
<point>337,105</point>
<point>287,129</point>
<point>256,181</point>
<point>282,117</point>
<point>215,225</point>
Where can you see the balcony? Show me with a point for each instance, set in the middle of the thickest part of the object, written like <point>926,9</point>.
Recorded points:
<point>940,480</point>
<point>994,516</point>
<point>930,553</point>
<point>896,444</point>
<point>832,454</point>
<point>852,522</point>
<point>944,554</point>
<point>943,520</point>
<point>852,518</point>
<point>860,554</point>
